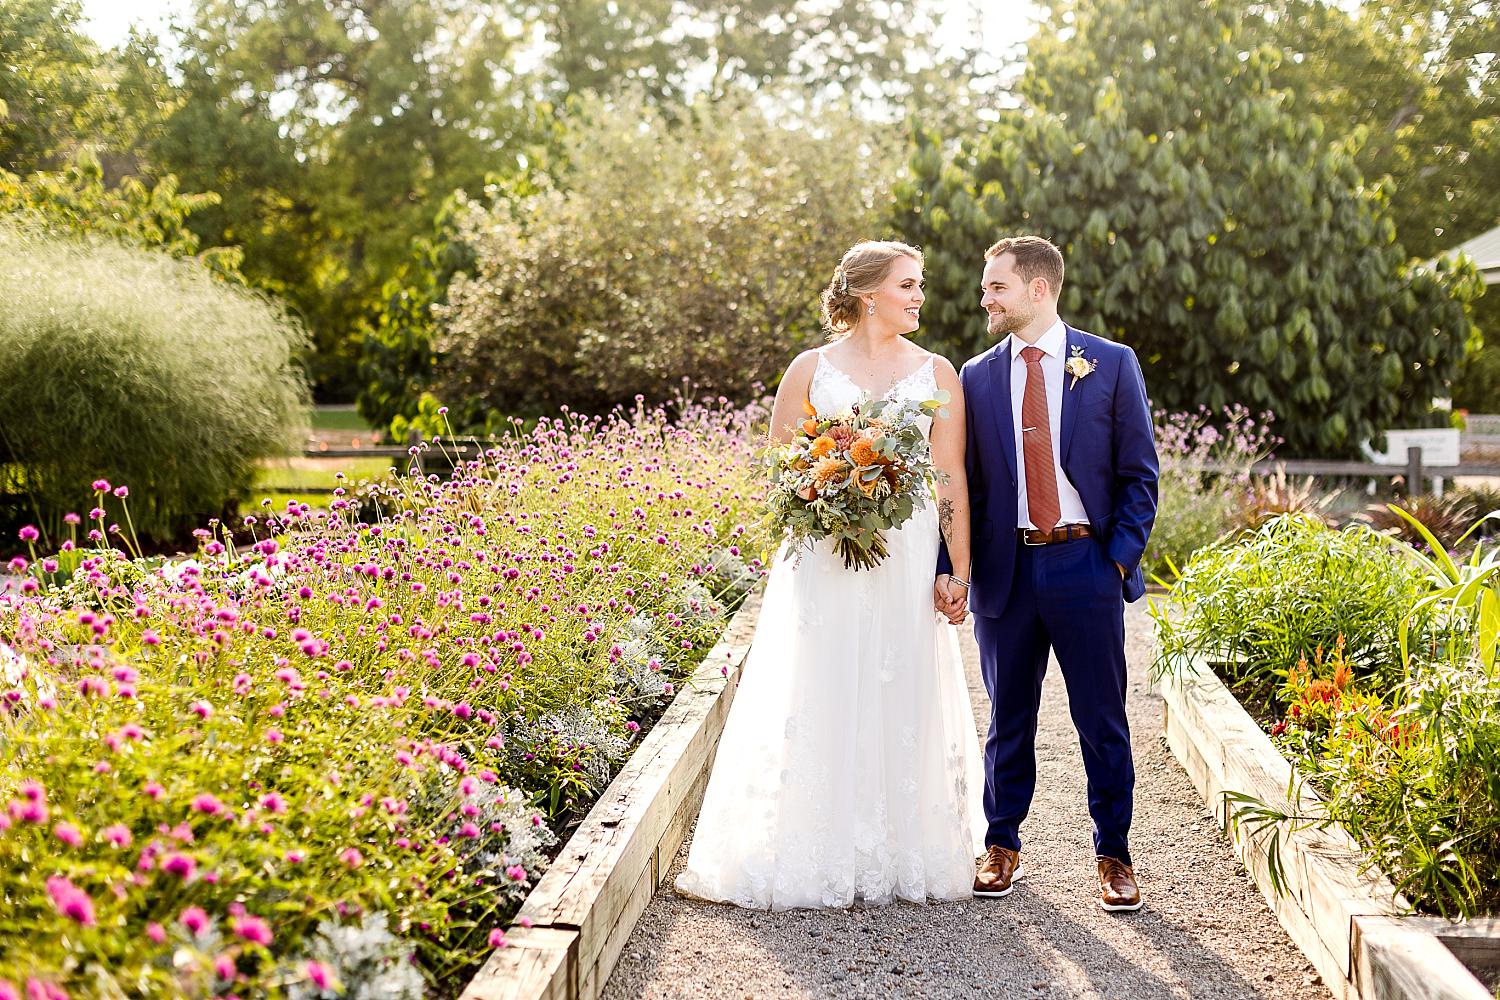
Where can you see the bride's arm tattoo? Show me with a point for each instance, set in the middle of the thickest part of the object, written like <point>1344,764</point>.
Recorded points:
<point>945,518</point>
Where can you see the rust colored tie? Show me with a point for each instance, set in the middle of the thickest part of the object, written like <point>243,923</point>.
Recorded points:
<point>1036,438</point>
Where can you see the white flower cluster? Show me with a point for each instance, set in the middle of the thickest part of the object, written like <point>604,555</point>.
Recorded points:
<point>368,961</point>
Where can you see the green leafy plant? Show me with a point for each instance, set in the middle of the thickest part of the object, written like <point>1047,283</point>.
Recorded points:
<point>131,365</point>
<point>1258,603</point>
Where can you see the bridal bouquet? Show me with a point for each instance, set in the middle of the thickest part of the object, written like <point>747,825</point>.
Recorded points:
<point>852,476</point>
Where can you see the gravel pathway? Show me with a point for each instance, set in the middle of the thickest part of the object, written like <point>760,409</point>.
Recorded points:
<point>1205,931</point>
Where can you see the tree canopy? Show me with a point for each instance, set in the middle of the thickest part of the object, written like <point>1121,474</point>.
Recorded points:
<point>1204,221</point>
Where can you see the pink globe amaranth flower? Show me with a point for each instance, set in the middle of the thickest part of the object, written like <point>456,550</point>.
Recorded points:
<point>273,802</point>
<point>181,865</point>
<point>117,834</point>
<point>18,564</point>
<point>101,486</point>
<point>207,804</point>
<point>224,967</point>
<point>516,873</point>
<point>274,736</point>
<point>351,857</point>
<point>41,989</point>
<point>68,834</point>
<point>29,533</point>
<point>468,830</point>
<point>153,790</point>
<point>122,492</point>
<point>322,977</point>
<point>251,928</point>
<point>295,857</point>
<point>8,990</point>
<point>195,920</point>
<point>497,938</point>
<point>156,932</point>
<point>71,901</point>
<point>29,811</point>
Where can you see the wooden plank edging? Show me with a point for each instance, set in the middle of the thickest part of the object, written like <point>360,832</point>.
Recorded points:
<point>584,908</point>
<point>1346,917</point>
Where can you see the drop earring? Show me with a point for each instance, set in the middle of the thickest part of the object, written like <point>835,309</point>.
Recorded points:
<point>872,309</point>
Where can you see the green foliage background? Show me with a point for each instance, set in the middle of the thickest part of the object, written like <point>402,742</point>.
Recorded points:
<point>1204,220</point>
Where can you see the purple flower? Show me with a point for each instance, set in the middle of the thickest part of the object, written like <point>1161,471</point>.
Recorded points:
<point>68,834</point>
<point>195,920</point>
<point>29,533</point>
<point>101,486</point>
<point>252,929</point>
<point>207,804</point>
<point>181,865</point>
<point>71,901</point>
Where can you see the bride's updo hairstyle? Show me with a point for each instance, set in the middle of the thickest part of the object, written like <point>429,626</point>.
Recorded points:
<point>864,267</point>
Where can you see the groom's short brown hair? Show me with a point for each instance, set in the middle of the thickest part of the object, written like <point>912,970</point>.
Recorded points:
<point>1035,258</point>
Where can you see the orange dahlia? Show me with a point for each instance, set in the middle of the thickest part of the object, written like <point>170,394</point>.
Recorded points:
<point>827,470</point>
<point>863,452</point>
<point>822,446</point>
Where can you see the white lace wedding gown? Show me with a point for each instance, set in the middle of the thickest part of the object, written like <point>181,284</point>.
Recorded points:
<point>849,767</point>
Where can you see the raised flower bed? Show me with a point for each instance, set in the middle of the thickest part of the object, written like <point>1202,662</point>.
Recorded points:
<point>1359,794</point>
<point>336,754</point>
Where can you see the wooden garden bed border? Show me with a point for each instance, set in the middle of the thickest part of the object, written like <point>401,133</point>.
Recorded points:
<point>585,907</point>
<point>1350,924</point>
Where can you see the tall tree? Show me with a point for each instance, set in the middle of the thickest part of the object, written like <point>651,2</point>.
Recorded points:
<point>50,83</point>
<point>1416,86</point>
<point>1204,222</point>
<point>333,130</point>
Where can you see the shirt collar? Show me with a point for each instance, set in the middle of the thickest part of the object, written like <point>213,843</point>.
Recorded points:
<point>1051,343</point>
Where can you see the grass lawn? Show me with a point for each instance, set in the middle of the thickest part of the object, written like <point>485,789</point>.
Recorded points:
<point>310,480</point>
<point>338,418</point>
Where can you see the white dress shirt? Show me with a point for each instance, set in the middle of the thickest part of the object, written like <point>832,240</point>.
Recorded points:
<point>1053,344</point>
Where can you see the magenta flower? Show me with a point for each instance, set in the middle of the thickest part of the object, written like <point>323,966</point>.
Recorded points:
<point>71,901</point>
<point>195,920</point>
<point>252,929</point>
<point>29,533</point>
<point>320,975</point>
<point>8,990</point>
<point>207,804</point>
<point>497,938</point>
<point>224,967</point>
<point>273,802</point>
<point>41,989</point>
<point>68,834</point>
<point>179,864</point>
<point>122,492</point>
<point>101,486</point>
<point>351,857</point>
<point>516,873</point>
<point>117,834</point>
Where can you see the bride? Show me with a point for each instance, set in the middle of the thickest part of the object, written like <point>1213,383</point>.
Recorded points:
<point>849,768</point>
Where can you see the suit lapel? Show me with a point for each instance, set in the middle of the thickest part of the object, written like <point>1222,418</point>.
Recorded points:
<point>1069,397</point>
<point>999,368</point>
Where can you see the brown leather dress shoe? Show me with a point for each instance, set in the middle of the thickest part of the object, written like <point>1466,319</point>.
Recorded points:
<point>998,869</point>
<point>1118,888</point>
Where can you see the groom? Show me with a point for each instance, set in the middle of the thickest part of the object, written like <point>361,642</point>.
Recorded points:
<point>1062,492</point>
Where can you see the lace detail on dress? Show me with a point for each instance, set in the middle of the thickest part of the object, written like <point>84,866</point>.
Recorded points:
<point>849,767</point>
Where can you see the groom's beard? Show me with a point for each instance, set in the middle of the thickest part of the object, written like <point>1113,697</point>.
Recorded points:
<point>1005,323</point>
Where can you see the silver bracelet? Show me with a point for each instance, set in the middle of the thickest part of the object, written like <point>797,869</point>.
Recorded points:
<point>958,580</point>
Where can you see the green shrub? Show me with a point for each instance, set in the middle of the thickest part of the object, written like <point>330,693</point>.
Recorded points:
<point>1260,603</point>
<point>691,249</point>
<point>148,371</point>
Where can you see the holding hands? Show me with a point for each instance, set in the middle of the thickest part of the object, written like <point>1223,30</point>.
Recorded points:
<point>950,595</point>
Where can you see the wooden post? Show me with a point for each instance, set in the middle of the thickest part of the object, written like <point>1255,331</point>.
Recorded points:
<point>1414,471</point>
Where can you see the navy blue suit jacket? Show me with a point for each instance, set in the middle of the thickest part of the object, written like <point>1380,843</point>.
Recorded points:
<point>1108,453</point>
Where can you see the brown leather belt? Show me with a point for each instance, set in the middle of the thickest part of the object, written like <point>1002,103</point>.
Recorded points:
<point>1061,533</point>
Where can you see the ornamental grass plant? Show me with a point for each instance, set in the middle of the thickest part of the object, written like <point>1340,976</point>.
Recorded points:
<point>135,366</point>
<point>329,754</point>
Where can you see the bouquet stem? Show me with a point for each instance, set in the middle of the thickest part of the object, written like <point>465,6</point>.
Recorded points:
<point>858,556</point>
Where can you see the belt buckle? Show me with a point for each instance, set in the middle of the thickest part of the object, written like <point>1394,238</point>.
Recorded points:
<point>1026,538</point>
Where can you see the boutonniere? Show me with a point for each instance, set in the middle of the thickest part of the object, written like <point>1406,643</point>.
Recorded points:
<point>1079,366</point>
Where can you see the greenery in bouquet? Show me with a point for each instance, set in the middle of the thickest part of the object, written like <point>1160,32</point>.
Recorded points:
<point>852,476</point>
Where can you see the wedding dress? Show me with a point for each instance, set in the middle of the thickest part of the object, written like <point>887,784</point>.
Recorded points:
<point>849,767</point>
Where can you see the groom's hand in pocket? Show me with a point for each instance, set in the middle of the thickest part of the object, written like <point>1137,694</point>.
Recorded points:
<point>1123,574</point>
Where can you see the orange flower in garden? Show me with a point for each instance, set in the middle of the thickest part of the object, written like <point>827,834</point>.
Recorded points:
<point>1342,675</point>
<point>863,452</point>
<point>1321,690</point>
<point>823,446</point>
<point>827,470</point>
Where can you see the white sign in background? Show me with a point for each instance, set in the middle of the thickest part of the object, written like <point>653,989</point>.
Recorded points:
<point>1439,446</point>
